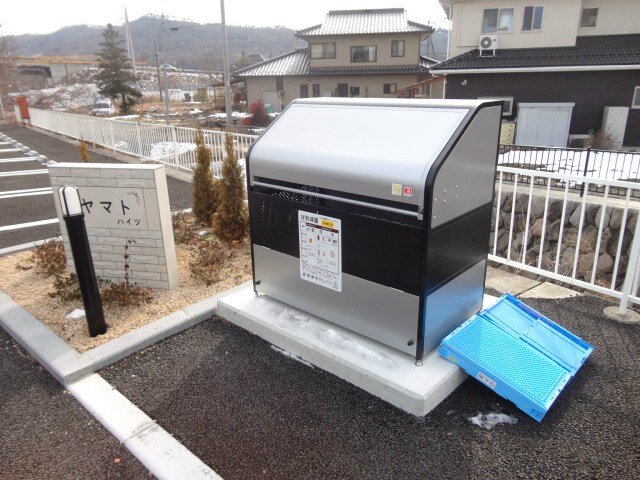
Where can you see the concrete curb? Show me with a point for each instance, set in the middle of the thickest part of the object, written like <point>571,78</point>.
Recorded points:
<point>154,447</point>
<point>67,365</point>
<point>24,246</point>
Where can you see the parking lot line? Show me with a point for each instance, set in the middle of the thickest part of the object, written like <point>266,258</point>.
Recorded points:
<point>20,226</point>
<point>20,173</point>
<point>5,150</point>
<point>18,159</point>
<point>26,193</point>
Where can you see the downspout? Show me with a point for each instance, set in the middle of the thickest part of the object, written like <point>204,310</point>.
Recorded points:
<point>449,17</point>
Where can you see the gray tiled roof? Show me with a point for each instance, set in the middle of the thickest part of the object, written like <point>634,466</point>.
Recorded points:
<point>296,64</point>
<point>602,50</point>
<point>359,22</point>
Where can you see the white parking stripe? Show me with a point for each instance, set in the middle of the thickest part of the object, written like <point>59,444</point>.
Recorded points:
<point>26,194</point>
<point>19,173</point>
<point>27,190</point>
<point>5,143</point>
<point>20,226</point>
<point>18,159</point>
<point>2,150</point>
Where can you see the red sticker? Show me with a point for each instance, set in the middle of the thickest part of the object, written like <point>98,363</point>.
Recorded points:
<point>408,191</point>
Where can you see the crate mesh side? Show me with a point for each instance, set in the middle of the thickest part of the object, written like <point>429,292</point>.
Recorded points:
<point>516,362</point>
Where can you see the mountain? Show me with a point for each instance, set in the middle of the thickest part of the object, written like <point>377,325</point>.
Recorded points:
<point>186,44</point>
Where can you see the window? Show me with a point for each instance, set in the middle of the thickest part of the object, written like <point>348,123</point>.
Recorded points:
<point>497,20</point>
<point>343,90</point>
<point>304,90</point>
<point>635,103</point>
<point>507,104</point>
<point>354,91</point>
<point>589,18</point>
<point>364,54</point>
<point>397,48</point>
<point>279,83</point>
<point>323,50</point>
<point>389,88</point>
<point>532,19</point>
<point>316,89</point>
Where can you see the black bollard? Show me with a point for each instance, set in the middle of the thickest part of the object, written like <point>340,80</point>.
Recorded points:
<point>74,220</point>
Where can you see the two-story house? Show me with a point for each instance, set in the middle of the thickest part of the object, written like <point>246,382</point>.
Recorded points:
<point>354,53</point>
<point>565,68</point>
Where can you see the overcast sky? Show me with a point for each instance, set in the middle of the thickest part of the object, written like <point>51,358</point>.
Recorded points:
<point>44,16</point>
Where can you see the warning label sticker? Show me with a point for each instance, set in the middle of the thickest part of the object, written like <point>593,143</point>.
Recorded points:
<point>320,250</point>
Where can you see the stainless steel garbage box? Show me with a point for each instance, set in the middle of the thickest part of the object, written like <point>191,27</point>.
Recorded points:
<point>374,214</point>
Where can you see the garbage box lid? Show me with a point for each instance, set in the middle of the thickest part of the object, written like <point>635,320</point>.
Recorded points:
<point>360,146</point>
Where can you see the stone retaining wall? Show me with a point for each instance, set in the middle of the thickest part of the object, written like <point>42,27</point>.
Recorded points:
<point>609,240</point>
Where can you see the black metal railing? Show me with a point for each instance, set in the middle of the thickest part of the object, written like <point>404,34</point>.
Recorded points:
<point>589,163</point>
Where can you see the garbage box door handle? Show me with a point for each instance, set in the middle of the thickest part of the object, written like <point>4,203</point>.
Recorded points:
<point>400,211</point>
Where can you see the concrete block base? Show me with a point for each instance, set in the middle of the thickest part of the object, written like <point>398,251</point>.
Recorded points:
<point>382,371</point>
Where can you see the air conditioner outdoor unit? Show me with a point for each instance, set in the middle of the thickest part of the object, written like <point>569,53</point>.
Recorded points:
<point>488,42</point>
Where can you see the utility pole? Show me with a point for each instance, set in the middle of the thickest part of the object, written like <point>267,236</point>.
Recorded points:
<point>156,50</point>
<point>227,80</point>
<point>164,69</point>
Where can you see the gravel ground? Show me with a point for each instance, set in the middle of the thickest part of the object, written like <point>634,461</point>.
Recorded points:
<point>45,433</point>
<point>250,412</point>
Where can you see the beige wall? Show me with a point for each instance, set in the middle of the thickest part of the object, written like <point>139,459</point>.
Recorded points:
<point>614,17</point>
<point>559,25</point>
<point>370,86</point>
<point>383,43</point>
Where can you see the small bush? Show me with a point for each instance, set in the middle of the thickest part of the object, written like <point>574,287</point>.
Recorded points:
<point>207,260</point>
<point>124,294</point>
<point>49,258</point>
<point>185,228</point>
<point>84,152</point>
<point>205,196</point>
<point>259,117</point>
<point>66,287</point>
<point>231,220</point>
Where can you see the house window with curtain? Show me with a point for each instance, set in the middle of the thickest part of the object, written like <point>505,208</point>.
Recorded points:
<point>323,50</point>
<point>532,19</point>
<point>497,20</point>
<point>389,88</point>
<point>397,48</point>
<point>367,53</point>
<point>589,18</point>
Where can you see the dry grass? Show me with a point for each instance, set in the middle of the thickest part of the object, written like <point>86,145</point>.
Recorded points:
<point>30,290</point>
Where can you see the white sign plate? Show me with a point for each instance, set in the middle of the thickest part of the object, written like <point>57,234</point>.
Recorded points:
<point>320,250</point>
<point>105,207</point>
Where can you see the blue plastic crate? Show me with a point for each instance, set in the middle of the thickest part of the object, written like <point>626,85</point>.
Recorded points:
<point>518,352</point>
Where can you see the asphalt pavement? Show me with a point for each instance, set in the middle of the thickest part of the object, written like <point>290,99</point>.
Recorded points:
<point>250,412</point>
<point>46,433</point>
<point>20,210</point>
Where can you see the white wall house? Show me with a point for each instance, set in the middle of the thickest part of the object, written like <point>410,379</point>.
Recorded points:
<point>354,53</point>
<point>550,55</point>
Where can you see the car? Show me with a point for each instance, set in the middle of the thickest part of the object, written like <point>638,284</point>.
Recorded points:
<point>103,107</point>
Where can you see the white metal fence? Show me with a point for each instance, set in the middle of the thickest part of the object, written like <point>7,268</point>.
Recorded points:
<point>167,144</point>
<point>176,146</point>
<point>577,243</point>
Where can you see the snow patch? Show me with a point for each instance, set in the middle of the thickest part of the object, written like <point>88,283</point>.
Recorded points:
<point>291,356</point>
<point>490,420</point>
<point>75,314</point>
<point>168,149</point>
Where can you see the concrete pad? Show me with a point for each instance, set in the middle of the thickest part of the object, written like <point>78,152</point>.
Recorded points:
<point>630,317</point>
<point>505,282</point>
<point>549,290</point>
<point>380,370</point>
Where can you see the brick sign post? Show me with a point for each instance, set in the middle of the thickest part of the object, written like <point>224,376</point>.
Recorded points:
<point>124,205</point>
